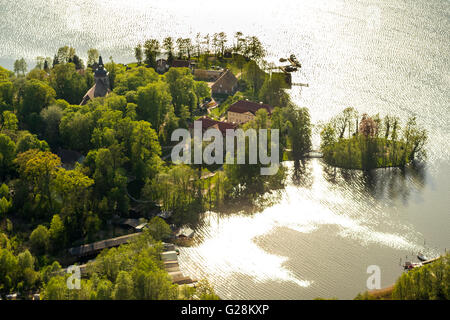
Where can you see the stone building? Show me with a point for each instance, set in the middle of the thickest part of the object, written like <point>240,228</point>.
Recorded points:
<point>244,111</point>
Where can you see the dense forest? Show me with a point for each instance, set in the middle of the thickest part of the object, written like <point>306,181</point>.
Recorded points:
<point>47,205</point>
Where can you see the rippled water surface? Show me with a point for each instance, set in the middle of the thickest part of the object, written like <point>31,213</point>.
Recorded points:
<point>327,226</point>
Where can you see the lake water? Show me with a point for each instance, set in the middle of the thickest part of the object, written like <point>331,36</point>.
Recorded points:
<point>328,226</point>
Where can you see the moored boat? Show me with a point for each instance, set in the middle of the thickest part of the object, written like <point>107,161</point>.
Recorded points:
<point>421,257</point>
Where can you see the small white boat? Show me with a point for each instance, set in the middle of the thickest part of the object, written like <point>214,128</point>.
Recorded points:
<point>421,257</point>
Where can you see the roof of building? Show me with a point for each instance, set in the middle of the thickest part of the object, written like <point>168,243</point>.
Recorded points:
<point>99,89</point>
<point>181,63</point>
<point>100,245</point>
<point>211,123</point>
<point>130,222</point>
<point>226,79</point>
<point>142,226</point>
<point>185,232</point>
<point>243,106</point>
<point>207,75</point>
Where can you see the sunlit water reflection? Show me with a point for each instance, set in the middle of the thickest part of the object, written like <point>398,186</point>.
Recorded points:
<point>322,235</point>
<point>328,225</point>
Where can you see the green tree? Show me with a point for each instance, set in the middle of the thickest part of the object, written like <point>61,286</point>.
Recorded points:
<point>8,270</point>
<point>255,76</point>
<point>9,121</point>
<point>93,56</point>
<point>39,239</point>
<point>38,169</point>
<point>123,289</point>
<point>68,83</point>
<point>26,273</point>
<point>65,54</point>
<point>56,289</point>
<point>138,53</point>
<point>145,151</point>
<point>20,66</point>
<point>51,117</point>
<point>272,92</point>
<point>104,290</point>
<point>27,141</point>
<point>76,130</point>
<point>151,49</point>
<point>254,49</point>
<point>57,232</point>
<point>182,88</point>
<point>35,96</point>
<point>205,291</point>
<point>5,201</point>
<point>133,79</point>
<point>159,229</point>
<point>169,47</point>
<point>202,90</point>
<point>6,94</point>
<point>7,154</point>
<point>153,101</point>
<point>429,282</point>
<point>73,187</point>
<point>299,131</point>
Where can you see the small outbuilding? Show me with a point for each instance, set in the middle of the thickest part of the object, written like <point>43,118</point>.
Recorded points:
<point>185,232</point>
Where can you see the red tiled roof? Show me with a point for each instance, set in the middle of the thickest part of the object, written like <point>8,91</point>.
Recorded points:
<point>243,106</point>
<point>208,123</point>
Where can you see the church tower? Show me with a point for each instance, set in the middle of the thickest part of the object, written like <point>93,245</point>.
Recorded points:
<point>101,87</point>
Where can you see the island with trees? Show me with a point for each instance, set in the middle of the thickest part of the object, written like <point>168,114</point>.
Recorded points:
<point>367,142</point>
